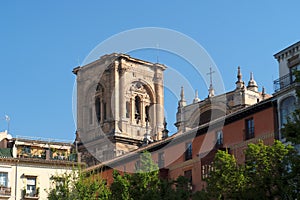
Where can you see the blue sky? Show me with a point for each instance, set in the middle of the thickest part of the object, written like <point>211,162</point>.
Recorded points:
<point>42,41</point>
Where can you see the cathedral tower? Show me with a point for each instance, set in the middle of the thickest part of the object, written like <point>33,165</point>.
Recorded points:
<point>119,100</point>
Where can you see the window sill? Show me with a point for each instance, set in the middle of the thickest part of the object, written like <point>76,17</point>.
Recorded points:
<point>29,197</point>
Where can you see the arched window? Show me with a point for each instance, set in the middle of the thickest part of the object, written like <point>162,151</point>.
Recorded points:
<point>138,104</point>
<point>287,107</point>
<point>99,105</point>
<point>137,114</point>
<point>98,109</point>
<point>147,118</point>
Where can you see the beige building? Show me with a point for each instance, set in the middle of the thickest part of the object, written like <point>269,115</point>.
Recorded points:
<point>119,100</point>
<point>27,165</point>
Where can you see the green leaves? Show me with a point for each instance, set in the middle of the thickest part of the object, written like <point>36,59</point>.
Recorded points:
<point>76,185</point>
<point>227,178</point>
<point>269,172</point>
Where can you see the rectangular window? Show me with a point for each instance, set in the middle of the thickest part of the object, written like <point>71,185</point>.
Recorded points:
<point>31,186</point>
<point>3,179</point>
<point>206,169</point>
<point>189,176</point>
<point>188,151</point>
<point>219,137</point>
<point>249,128</point>
<point>161,160</point>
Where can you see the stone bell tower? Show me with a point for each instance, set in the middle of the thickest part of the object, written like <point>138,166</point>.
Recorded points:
<point>119,100</point>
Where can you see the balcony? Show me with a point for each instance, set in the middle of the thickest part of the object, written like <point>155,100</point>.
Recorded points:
<point>5,191</point>
<point>284,82</point>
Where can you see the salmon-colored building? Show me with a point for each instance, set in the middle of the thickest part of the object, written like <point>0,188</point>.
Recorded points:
<point>190,153</point>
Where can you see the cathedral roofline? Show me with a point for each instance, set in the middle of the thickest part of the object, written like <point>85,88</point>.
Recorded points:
<point>119,56</point>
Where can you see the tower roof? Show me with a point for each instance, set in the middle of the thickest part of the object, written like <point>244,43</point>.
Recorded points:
<point>252,85</point>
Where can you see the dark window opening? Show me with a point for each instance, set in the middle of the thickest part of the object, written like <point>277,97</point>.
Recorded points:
<point>249,128</point>
<point>98,109</point>
<point>188,151</point>
<point>147,119</point>
<point>104,111</point>
<point>137,115</point>
<point>219,137</point>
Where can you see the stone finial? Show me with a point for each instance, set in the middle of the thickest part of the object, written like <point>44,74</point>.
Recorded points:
<point>165,131</point>
<point>182,94</point>
<point>211,91</point>
<point>196,99</point>
<point>239,75</point>
<point>182,101</point>
<point>252,83</point>
<point>263,92</point>
<point>240,82</point>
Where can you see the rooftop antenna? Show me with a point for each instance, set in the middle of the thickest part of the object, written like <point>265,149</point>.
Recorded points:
<point>7,119</point>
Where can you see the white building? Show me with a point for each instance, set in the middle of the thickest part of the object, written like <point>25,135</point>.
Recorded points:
<point>27,165</point>
<point>285,86</point>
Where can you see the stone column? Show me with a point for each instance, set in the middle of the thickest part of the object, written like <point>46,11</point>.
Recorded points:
<point>159,94</point>
<point>122,102</point>
<point>116,96</point>
<point>142,112</point>
<point>132,109</point>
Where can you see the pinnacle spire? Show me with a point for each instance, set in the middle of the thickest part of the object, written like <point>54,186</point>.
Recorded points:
<point>239,83</point>
<point>182,101</point>
<point>263,92</point>
<point>239,75</point>
<point>182,94</point>
<point>252,85</point>
<point>165,131</point>
<point>196,99</point>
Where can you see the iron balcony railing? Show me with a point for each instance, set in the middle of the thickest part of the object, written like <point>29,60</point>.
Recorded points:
<point>5,191</point>
<point>284,82</point>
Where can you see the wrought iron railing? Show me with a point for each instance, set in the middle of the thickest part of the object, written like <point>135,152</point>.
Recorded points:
<point>283,82</point>
<point>5,191</point>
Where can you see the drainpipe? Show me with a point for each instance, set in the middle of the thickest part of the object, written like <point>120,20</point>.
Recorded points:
<point>16,179</point>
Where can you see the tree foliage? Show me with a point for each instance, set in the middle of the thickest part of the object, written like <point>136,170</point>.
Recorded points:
<point>227,179</point>
<point>142,185</point>
<point>76,185</point>
<point>269,172</point>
